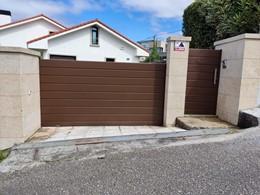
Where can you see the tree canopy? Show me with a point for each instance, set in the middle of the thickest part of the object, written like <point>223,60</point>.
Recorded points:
<point>207,21</point>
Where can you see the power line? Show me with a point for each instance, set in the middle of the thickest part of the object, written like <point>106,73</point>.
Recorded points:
<point>160,34</point>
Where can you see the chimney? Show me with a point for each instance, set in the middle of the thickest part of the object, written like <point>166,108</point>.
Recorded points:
<point>5,17</point>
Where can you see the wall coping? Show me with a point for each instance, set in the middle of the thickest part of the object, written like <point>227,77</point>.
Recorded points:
<point>19,50</point>
<point>179,38</point>
<point>237,38</point>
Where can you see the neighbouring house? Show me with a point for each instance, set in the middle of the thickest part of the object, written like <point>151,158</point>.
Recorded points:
<point>161,47</point>
<point>17,33</point>
<point>90,41</point>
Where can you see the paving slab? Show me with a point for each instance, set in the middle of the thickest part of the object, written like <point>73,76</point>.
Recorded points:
<point>77,132</point>
<point>128,131</point>
<point>94,133</point>
<point>111,132</point>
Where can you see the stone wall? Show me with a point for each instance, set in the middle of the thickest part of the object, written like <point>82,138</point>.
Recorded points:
<point>19,95</point>
<point>240,80</point>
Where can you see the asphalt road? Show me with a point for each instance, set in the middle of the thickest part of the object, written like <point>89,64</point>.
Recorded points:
<point>225,167</point>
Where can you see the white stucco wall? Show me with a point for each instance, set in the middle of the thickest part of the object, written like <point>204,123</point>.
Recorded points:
<point>4,19</point>
<point>19,35</point>
<point>78,44</point>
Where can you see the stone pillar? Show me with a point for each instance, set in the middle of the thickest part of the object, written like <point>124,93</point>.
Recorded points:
<point>176,78</point>
<point>19,95</point>
<point>239,84</point>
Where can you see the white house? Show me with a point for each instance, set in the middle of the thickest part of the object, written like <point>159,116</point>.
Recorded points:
<point>18,33</point>
<point>90,41</point>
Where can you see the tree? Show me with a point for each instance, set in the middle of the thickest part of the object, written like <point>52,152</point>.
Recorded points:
<point>208,21</point>
<point>195,25</point>
<point>154,56</point>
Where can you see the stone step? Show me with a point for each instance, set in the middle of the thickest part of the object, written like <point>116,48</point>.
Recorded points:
<point>202,122</point>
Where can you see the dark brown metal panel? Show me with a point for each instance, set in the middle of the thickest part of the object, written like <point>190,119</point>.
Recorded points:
<point>101,88</point>
<point>211,53</point>
<point>202,86</point>
<point>101,73</point>
<point>101,93</point>
<point>102,65</point>
<point>102,80</point>
<point>200,111</point>
<point>98,110</point>
<point>101,103</point>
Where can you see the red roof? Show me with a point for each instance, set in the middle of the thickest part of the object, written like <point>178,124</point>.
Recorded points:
<point>31,18</point>
<point>84,24</point>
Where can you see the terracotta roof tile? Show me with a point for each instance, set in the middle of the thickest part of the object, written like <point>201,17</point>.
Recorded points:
<point>61,31</point>
<point>28,19</point>
<point>83,24</point>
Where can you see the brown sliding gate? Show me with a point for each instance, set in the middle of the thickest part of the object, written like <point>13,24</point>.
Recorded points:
<point>101,93</point>
<point>202,81</point>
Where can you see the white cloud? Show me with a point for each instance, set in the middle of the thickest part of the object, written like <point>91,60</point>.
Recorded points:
<point>158,9</point>
<point>54,8</point>
<point>162,36</point>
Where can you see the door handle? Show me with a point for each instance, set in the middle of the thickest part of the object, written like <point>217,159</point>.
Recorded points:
<point>215,76</point>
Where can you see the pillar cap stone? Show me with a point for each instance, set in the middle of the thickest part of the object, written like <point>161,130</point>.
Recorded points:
<point>19,50</point>
<point>237,38</point>
<point>179,38</point>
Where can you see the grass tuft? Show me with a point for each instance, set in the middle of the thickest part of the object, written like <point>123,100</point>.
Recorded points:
<point>4,154</point>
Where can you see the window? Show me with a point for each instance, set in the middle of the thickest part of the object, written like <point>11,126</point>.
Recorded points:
<point>159,49</point>
<point>110,59</point>
<point>94,35</point>
<point>60,57</point>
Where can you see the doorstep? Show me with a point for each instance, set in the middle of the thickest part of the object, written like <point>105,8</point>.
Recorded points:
<point>81,135</point>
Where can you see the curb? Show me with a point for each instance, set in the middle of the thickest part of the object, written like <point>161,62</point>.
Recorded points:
<point>98,140</point>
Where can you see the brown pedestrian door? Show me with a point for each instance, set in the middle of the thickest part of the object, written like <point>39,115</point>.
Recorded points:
<point>202,81</point>
<point>101,93</point>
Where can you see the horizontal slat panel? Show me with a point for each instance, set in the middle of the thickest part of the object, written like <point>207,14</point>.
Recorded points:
<point>98,123</point>
<point>100,103</point>
<point>102,73</point>
<point>200,84</point>
<point>204,61</point>
<point>200,91</point>
<point>101,95</point>
<point>99,117</point>
<point>200,105</point>
<point>102,65</point>
<point>205,53</point>
<point>102,110</point>
<point>200,111</point>
<point>201,98</point>
<point>199,68</point>
<point>101,80</point>
<point>200,76</point>
<point>100,88</point>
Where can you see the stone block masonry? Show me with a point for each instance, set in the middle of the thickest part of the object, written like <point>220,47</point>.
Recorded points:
<point>239,85</point>
<point>19,95</point>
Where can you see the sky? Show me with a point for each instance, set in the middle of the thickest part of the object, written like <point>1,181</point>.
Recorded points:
<point>136,19</point>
